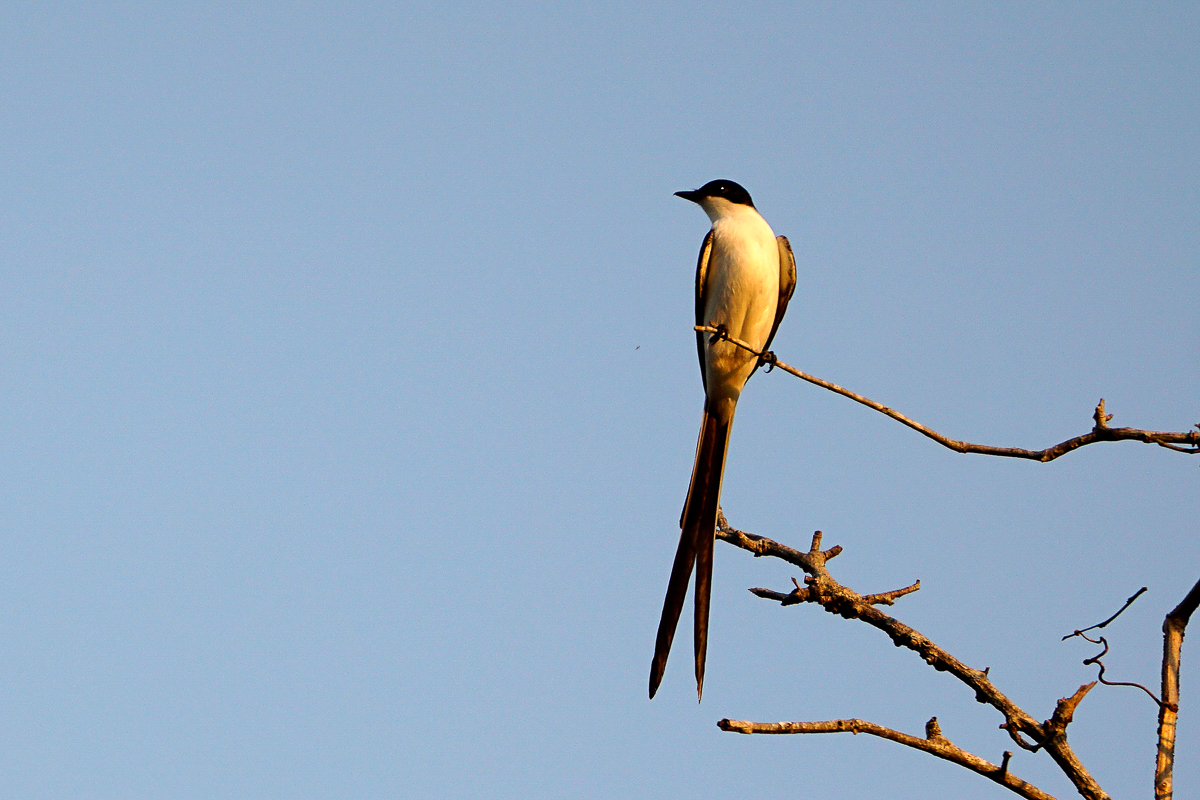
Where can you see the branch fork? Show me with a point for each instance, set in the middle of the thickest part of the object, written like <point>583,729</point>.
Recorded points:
<point>821,588</point>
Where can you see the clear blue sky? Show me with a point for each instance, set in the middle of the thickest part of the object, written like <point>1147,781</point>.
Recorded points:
<point>349,394</point>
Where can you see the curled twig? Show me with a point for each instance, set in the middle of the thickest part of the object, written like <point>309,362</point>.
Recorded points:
<point>1087,662</point>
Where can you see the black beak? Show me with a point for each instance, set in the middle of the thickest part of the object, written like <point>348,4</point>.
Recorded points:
<point>693,195</point>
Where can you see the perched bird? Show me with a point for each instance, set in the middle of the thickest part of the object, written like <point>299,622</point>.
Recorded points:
<point>745,277</point>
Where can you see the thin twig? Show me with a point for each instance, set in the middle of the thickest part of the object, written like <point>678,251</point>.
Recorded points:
<point>1121,611</point>
<point>1100,433</point>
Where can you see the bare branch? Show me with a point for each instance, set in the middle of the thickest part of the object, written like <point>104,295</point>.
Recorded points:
<point>762,546</point>
<point>1099,433</point>
<point>1174,627</point>
<point>820,588</point>
<point>934,743</point>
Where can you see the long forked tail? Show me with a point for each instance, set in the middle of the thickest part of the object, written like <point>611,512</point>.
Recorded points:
<point>696,539</point>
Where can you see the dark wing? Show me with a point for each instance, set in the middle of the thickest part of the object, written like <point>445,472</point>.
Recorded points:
<point>701,299</point>
<point>787,284</point>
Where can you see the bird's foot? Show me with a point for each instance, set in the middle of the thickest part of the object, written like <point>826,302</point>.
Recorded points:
<point>721,335</point>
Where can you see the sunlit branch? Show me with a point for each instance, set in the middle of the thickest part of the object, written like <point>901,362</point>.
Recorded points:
<point>821,588</point>
<point>933,743</point>
<point>1186,442</point>
<point>1173,629</point>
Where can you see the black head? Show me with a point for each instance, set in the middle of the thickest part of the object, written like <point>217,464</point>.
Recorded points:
<point>728,190</point>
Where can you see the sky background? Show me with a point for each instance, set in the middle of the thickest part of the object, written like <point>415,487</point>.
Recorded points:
<point>348,395</point>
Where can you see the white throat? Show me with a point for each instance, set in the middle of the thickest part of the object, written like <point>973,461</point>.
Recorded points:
<point>718,208</point>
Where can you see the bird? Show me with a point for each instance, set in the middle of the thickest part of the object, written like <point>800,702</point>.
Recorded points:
<point>745,277</point>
